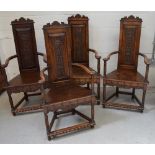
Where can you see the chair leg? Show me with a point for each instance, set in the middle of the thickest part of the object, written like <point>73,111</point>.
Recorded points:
<point>143,99</point>
<point>98,93</point>
<point>104,95</point>
<point>117,91</point>
<point>88,86</point>
<point>133,93</point>
<point>92,115</point>
<point>26,96</point>
<point>47,125</point>
<point>11,104</point>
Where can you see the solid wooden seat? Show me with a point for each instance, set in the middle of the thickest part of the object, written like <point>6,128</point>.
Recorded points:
<point>131,78</point>
<point>64,94</point>
<point>70,92</point>
<point>126,74</point>
<point>24,78</point>
<point>78,74</point>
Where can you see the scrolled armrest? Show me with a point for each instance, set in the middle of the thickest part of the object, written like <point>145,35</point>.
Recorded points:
<point>8,60</point>
<point>42,76</point>
<point>84,68</point>
<point>95,52</point>
<point>108,57</point>
<point>146,60</point>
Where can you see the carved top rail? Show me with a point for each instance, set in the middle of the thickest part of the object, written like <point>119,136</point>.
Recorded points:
<point>22,20</point>
<point>78,17</point>
<point>55,24</point>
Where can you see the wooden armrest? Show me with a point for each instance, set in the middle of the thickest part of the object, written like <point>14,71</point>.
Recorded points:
<point>42,75</point>
<point>43,55</point>
<point>84,68</point>
<point>108,57</point>
<point>8,60</point>
<point>146,60</point>
<point>95,52</point>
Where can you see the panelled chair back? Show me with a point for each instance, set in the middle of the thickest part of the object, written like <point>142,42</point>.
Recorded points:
<point>63,95</point>
<point>25,43</point>
<point>27,56</point>
<point>126,74</point>
<point>80,50</point>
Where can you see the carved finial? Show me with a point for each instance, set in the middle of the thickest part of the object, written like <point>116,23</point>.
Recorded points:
<point>78,17</point>
<point>22,20</point>
<point>55,23</point>
<point>131,18</point>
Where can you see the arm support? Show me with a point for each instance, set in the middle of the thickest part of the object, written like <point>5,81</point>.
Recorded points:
<point>84,68</point>
<point>8,60</point>
<point>106,59</point>
<point>42,76</point>
<point>147,62</point>
<point>95,52</point>
<point>43,55</point>
<point>98,59</point>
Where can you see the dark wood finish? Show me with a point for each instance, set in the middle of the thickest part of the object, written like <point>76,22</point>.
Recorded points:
<point>28,79</point>
<point>1,80</point>
<point>80,51</point>
<point>25,43</point>
<point>64,94</point>
<point>126,74</point>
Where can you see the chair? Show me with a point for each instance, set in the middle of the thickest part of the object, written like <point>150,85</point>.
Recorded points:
<point>27,56</point>
<point>126,74</point>
<point>80,51</point>
<point>63,95</point>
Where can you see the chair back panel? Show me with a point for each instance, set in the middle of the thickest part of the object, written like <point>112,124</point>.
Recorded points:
<point>80,39</point>
<point>25,43</point>
<point>130,30</point>
<point>58,48</point>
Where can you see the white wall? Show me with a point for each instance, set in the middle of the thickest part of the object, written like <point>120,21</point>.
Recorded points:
<point>103,34</point>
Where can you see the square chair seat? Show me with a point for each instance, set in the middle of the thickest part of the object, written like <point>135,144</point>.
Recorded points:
<point>125,78</point>
<point>25,78</point>
<point>67,96</point>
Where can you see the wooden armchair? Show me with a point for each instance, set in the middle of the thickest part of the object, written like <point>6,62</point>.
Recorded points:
<point>80,51</point>
<point>126,74</point>
<point>27,56</point>
<point>64,95</point>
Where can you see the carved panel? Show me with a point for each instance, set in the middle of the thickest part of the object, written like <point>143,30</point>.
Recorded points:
<point>79,48</point>
<point>80,40</point>
<point>58,46</point>
<point>25,48</point>
<point>129,44</point>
